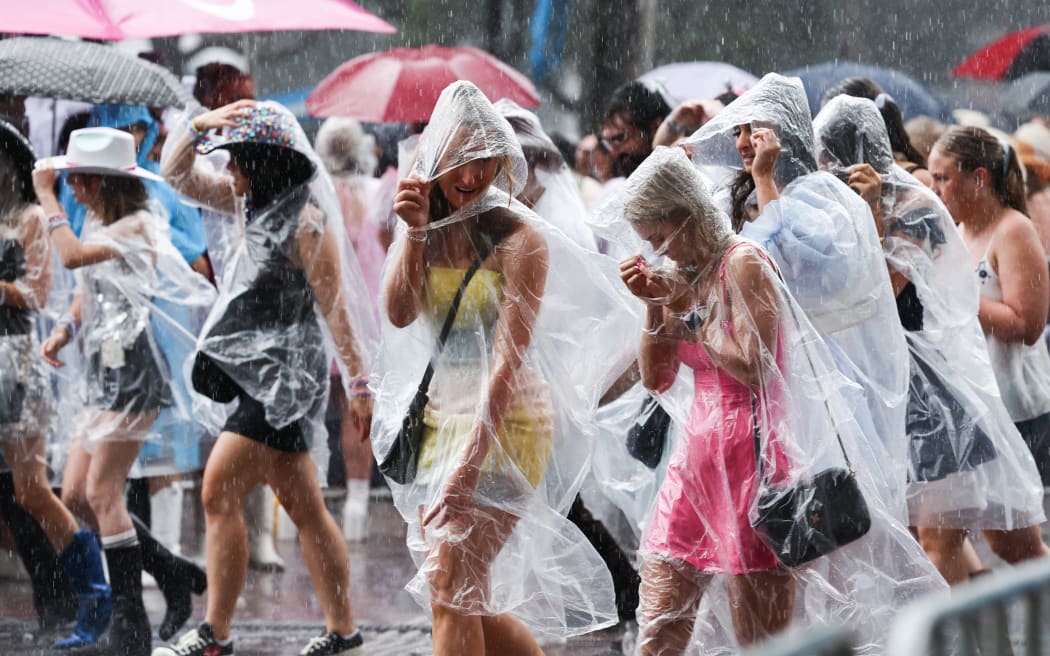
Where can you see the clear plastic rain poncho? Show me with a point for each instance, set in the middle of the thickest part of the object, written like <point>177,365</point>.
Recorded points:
<point>551,190</point>
<point>26,404</point>
<point>822,236</point>
<point>133,337</point>
<point>753,354</point>
<point>969,465</point>
<point>547,343</point>
<point>291,298</point>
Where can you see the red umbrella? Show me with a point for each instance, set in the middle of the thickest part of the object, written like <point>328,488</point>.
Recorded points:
<point>404,83</point>
<point>126,19</point>
<point>1009,57</point>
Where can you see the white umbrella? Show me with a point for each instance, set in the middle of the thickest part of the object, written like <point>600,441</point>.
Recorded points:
<point>699,80</point>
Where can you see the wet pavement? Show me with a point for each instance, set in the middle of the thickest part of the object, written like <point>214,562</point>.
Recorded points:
<point>278,611</point>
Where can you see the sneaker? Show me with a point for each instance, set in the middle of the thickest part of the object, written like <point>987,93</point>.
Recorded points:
<point>333,644</point>
<point>198,642</point>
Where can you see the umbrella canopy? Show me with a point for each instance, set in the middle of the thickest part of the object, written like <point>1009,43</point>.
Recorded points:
<point>127,19</point>
<point>1029,95</point>
<point>1009,57</point>
<point>53,68</point>
<point>699,80</point>
<point>913,98</point>
<point>404,83</point>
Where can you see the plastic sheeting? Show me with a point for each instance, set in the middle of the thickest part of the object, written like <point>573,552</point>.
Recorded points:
<point>291,298</point>
<point>969,466</point>
<point>133,340</point>
<point>551,191</point>
<point>822,236</point>
<point>754,355</point>
<point>26,404</point>
<point>543,329</point>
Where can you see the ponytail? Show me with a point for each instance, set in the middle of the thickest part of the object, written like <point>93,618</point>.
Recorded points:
<point>975,148</point>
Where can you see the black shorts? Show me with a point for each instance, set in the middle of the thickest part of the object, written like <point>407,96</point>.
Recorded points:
<point>141,385</point>
<point>1036,434</point>
<point>249,420</point>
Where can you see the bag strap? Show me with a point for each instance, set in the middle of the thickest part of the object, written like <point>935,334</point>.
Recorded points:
<point>453,309</point>
<point>809,358</point>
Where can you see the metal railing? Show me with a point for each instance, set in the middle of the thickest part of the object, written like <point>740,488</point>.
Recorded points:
<point>811,641</point>
<point>975,618</point>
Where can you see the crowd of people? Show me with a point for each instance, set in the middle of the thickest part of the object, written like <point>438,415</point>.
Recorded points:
<point>724,367</point>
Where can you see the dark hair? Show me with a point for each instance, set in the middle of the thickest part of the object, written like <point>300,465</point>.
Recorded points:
<point>119,196</point>
<point>271,170</point>
<point>74,122</point>
<point>862,87</point>
<point>639,105</point>
<point>566,147</point>
<point>974,148</point>
<point>211,78</point>
<point>740,190</point>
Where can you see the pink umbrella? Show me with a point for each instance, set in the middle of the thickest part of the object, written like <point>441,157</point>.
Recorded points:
<point>127,19</point>
<point>404,83</point>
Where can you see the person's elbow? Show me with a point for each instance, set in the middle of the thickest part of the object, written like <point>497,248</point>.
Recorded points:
<point>657,379</point>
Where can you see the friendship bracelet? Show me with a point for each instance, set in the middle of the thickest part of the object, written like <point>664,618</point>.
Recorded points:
<point>56,221</point>
<point>361,394</point>
<point>358,382</point>
<point>197,133</point>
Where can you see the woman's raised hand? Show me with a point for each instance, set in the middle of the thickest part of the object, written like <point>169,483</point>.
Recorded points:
<point>864,180</point>
<point>767,149</point>
<point>225,116</point>
<point>644,282</point>
<point>412,202</point>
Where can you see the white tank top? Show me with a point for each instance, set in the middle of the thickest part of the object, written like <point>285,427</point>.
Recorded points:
<point>1022,371</point>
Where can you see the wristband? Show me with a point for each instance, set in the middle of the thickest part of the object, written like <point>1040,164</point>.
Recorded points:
<point>56,221</point>
<point>68,323</point>
<point>196,132</point>
<point>359,382</point>
<point>419,239</point>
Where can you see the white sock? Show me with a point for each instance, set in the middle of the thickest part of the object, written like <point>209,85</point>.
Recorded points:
<point>126,539</point>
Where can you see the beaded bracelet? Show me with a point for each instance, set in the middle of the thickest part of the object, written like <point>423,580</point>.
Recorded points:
<point>197,133</point>
<point>359,381</point>
<point>69,324</point>
<point>56,221</point>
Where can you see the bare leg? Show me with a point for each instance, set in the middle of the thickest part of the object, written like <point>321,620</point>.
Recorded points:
<point>293,477</point>
<point>34,494</point>
<point>107,473</point>
<point>235,467</point>
<point>762,604</point>
<point>669,596</point>
<point>946,549</point>
<point>1017,545</point>
<point>458,572</point>
<point>74,484</point>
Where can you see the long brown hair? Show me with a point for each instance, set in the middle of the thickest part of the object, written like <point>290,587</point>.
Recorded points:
<point>975,148</point>
<point>120,196</point>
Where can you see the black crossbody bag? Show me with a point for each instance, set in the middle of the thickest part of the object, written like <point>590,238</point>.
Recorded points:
<point>400,462</point>
<point>810,518</point>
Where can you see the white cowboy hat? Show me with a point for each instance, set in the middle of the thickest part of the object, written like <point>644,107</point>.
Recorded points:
<point>102,151</point>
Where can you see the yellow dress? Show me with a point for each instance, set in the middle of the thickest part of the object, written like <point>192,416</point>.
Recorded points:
<point>461,374</point>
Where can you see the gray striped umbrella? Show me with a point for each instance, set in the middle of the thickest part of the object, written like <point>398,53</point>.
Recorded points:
<point>77,70</point>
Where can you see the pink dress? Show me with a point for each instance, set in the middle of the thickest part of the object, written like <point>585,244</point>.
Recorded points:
<point>701,514</point>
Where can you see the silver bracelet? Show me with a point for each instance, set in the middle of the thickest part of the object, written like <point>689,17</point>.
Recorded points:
<point>421,239</point>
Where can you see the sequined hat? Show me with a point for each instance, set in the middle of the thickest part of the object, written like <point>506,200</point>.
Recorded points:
<point>267,123</point>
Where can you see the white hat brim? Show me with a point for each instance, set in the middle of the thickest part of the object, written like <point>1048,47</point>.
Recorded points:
<point>62,163</point>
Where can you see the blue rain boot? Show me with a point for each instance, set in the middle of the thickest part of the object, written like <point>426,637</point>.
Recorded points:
<point>82,561</point>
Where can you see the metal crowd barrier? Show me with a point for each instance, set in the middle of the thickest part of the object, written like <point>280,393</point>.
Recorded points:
<point>975,619</point>
<point>815,641</point>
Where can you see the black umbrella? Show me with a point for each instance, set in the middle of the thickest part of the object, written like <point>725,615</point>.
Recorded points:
<point>1029,95</point>
<point>77,70</point>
